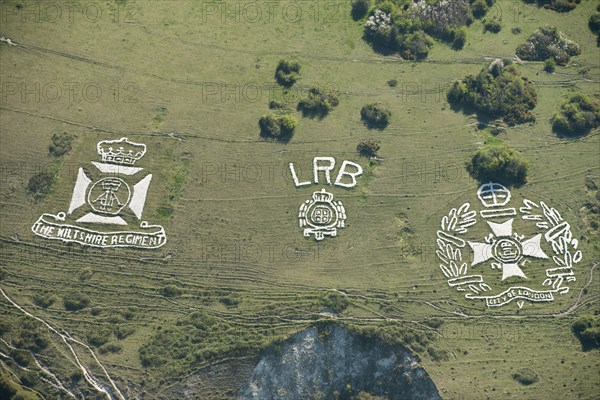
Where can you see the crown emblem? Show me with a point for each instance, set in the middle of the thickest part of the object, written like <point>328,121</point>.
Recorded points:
<point>321,216</point>
<point>120,151</point>
<point>493,195</point>
<point>322,197</point>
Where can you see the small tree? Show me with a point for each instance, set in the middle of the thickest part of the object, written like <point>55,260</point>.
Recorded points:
<point>577,116</point>
<point>549,65</point>
<point>375,115</point>
<point>360,8</point>
<point>368,147</point>
<point>318,103</point>
<point>277,126</point>
<point>61,144</point>
<point>287,73</point>
<point>75,301</point>
<point>39,185</point>
<point>498,163</point>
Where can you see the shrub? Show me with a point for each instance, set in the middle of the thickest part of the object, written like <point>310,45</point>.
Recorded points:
<point>39,185</point>
<point>375,115</point>
<point>335,301</point>
<point>594,23</point>
<point>98,337</point>
<point>479,8</point>
<point>525,376</point>
<point>499,91</point>
<point>548,42</point>
<point>44,299</point>
<point>61,144</point>
<point>587,329</point>
<point>516,30</point>
<point>122,331</point>
<point>360,8</point>
<point>492,25</point>
<point>392,83</point>
<point>577,116</point>
<point>550,65</point>
<point>75,301</point>
<point>318,103</point>
<point>368,147</point>
<point>287,72</point>
<point>559,5</point>
<point>460,38</point>
<point>110,348</point>
<point>170,291</point>
<point>498,163</point>
<point>414,46</point>
<point>277,126</point>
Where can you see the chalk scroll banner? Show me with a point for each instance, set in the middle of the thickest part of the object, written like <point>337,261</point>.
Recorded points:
<point>49,227</point>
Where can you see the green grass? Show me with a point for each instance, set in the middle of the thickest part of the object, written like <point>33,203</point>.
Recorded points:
<point>233,231</point>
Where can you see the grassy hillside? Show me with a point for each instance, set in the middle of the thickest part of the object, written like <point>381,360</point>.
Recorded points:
<point>236,273</point>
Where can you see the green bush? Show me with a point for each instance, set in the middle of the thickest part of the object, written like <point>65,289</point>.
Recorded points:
<point>287,73</point>
<point>44,299</point>
<point>170,291</point>
<point>498,163</point>
<point>577,116</point>
<point>110,348</point>
<point>587,329</point>
<point>337,302</point>
<point>594,23</point>
<point>61,144</point>
<point>318,103</point>
<point>277,126</point>
<point>525,376</point>
<point>558,5</point>
<point>368,147</point>
<point>460,38</point>
<point>39,185</point>
<point>99,337</point>
<point>375,115</point>
<point>492,25</point>
<point>498,91</point>
<point>360,8</point>
<point>550,65</point>
<point>414,46</point>
<point>548,42</point>
<point>76,301</point>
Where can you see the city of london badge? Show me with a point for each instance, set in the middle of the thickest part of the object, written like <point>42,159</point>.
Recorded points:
<point>321,216</point>
<point>108,198</point>
<point>505,263</point>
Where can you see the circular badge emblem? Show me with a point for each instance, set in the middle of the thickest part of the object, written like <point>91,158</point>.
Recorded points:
<point>321,215</point>
<point>505,251</point>
<point>109,195</point>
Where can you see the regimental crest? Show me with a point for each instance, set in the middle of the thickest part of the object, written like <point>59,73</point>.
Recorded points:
<point>110,194</point>
<point>498,266</point>
<point>321,216</point>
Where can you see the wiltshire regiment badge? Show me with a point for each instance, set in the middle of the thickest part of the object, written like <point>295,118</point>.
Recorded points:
<point>108,198</point>
<point>507,264</point>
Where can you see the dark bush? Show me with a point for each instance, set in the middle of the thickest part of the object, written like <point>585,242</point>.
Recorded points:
<point>39,185</point>
<point>460,38</point>
<point>75,301</point>
<point>594,23</point>
<point>375,115</point>
<point>525,376</point>
<point>516,30</point>
<point>318,103</point>
<point>170,291</point>
<point>577,116</point>
<point>550,65</point>
<point>498,91</point>
<point>414,46</point>
<point>368,147</point>
<point>110,348</point>
<point>360,8</point>
<point>492,25</point>
<point>61,144</point>
<point>98,337</point>
<point>548,42</point>
<point>334,301</point>
<point>498,163</point>
<point>287,72</point>
<point>277,126</point>
<point>44,299</point>
<point>392,83</point>
<point>122,331</point>
<point>587,329</point>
